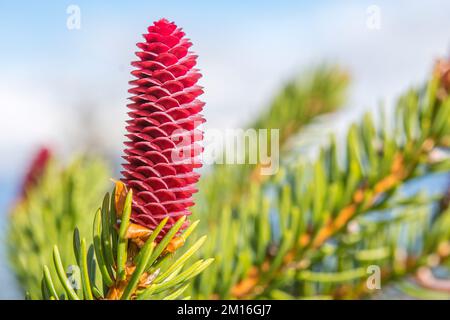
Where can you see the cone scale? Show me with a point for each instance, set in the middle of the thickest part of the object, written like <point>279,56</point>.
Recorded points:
<point>163,148</point>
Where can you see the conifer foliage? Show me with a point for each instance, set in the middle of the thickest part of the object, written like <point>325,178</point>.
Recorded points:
<point>318,227</point>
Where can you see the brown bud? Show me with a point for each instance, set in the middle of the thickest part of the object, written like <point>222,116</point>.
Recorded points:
<point>442,72</point>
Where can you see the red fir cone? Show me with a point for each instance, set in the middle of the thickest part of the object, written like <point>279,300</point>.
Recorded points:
<point>36,170</point>
<point>162,152</point>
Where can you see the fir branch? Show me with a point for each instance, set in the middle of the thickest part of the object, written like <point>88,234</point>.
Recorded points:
<point>145,272</point>
<point>317,202</point>
<point>57,203</point>
<point>368,192</point>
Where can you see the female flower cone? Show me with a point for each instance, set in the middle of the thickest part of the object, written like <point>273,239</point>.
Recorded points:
<point>36,170</point>
<point>163,150</point>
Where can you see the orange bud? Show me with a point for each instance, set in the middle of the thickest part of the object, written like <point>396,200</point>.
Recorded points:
<point>246,285</point>
<point>137,231</point>
<point>174,244</point>
<point>119,197</point>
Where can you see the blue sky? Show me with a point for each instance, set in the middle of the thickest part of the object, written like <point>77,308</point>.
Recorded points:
<point>247,49</point>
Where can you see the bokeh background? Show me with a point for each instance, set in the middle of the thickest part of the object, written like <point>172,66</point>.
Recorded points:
<point>67,88</point>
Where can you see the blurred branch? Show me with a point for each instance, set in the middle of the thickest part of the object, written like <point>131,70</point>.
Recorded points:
<point>296,222</point>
